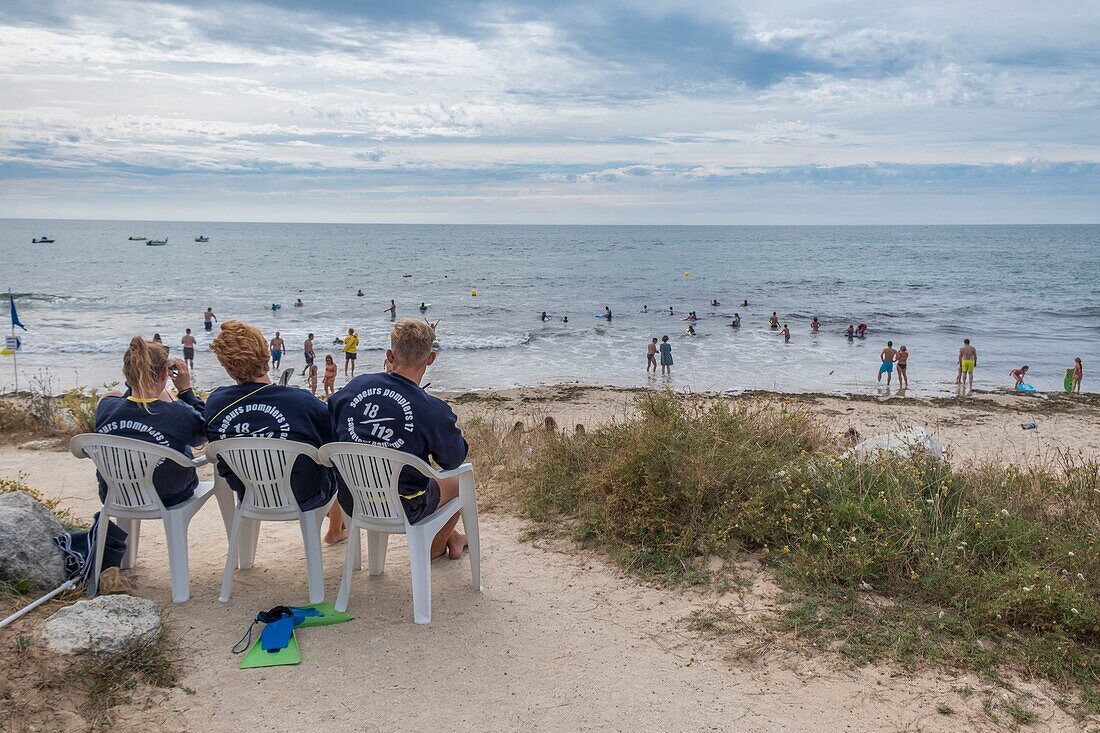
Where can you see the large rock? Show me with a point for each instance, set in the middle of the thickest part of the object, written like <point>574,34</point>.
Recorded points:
<point>27,550</point>
<point>903,444</point>
<point>104,624</point>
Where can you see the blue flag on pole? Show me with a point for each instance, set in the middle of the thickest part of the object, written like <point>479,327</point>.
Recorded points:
<point>14,315</point>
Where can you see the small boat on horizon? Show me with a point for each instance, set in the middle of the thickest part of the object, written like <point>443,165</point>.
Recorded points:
<point>157,242</point>
<point>137,239</point>
<point>42,240</point>
<point>202,238</point>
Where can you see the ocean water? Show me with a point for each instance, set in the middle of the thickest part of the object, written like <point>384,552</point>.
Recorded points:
<point>1021,294</point>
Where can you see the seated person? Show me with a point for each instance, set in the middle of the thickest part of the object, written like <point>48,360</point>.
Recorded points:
<point>392,410</point>
<point>147,412</point>
<point>256,408</point>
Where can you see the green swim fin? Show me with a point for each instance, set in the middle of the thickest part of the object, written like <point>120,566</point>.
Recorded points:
<point>257,657</point>
<point>329,615</point>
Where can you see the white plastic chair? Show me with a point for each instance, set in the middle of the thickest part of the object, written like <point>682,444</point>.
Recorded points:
<point>264,466</point>
<point>371,474</point>
<point>127,466</point>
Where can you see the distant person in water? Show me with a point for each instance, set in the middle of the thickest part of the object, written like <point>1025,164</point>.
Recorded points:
<point>773,321</point>
<point>351,350</point>
<point>392,310</point>
<point>423,307</point>
<point>651,356</point>
<point>888,356</point>
<point>359,294</point>
<point>968,362</point>
<point>157,339</point>
<point>714,304</point>
<point>851,332</point>
<point>208,319</point>
<point>565,319</point>
<point>298,303</point>
<point>691,330</point>
<point>736,323</point>
<point>276,345</point>
<point>786,334</point>
<point>645,309</point>
<point>744,304</point>
<point>815,325</point>
<point>188,342</point>
<point>607,313</point>
<point>666,356</point>
<point>670,311</point>
<point>1078,374</point>
<point>544,317</point>
<point>1019,374</point>
<point>861,330</point>
<point>903,363</point>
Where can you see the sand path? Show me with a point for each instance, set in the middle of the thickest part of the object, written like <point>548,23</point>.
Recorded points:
<point>557,641</point>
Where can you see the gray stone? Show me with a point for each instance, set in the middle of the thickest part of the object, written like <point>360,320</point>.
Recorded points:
<point>27,550</point>
<point>106,624</point>
<point>903,444</point>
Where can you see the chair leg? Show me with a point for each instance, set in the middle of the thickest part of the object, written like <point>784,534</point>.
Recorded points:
<point>227,502</point>
<point>473,539</point>
<point>231,557</point>
<point>420,550</point>
<point>352,556</point>
<point>100,546</point>
<point>376,551</point>
<point>247,540</point>
<point>358,542</point>
<point>311,538</point>
<point>132,528</point>
<point>175,531</point>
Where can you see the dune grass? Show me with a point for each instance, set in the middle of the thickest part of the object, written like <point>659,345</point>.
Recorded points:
<point>981,568</point>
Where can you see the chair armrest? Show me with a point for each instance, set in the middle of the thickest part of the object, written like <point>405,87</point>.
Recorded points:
<point>464,468</point>
<point>199,461</point>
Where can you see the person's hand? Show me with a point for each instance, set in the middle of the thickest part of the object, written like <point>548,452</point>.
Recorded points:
<point>181,376</point>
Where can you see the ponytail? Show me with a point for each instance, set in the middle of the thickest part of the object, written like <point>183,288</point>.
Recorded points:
<point>142,364</point>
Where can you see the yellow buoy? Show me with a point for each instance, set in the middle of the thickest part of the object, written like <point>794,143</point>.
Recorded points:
<point>686,274</point>
<point>473,293</point>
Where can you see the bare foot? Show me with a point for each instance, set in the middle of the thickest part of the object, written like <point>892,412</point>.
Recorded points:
<point>456,543</point>
<point>334,539</point>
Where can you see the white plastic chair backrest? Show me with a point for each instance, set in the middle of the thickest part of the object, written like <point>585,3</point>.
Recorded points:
<point>371,474</point>
<point>126,466</point>
<point>264,466</point>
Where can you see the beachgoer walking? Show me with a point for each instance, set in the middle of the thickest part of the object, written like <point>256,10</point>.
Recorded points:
<point>276,344</point>
<point>188,342</point>
<point>666,356</point>
<point>351,349</point>
<point>903,363</point>
<point>330,375</point>
<point>968,361</point>
<point>308,353</point>
<point>651,355</point>
<point>1078,374</point>
<point>888,356</point>
<point>208,318</point>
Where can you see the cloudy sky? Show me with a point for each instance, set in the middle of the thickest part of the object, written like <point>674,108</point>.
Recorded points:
<point>566,111</point>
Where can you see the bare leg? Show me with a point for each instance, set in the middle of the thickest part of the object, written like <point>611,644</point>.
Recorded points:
<point>448,540</point>
<point>337,531</point>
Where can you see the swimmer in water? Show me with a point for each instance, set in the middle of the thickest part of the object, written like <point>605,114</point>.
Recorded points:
<point>670,311</point>
<point>423,307</point>
<point>774,321</point>
<point>392,310</point>
<point>786,334</point>
<point>645,309</point>
<point>545,317</point>
<point>691,330</point>
<point>607,313</point>
<point>565,319</point>
<point>815,326</point>
<point>851,332</point>
<point>736,323</point>
<point>714,303</point>
<point>359,294</point>
<point>298,303</point>
<point>861,330</point>
<point>744,304</point>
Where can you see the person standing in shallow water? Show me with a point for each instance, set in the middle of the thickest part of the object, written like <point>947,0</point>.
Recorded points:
<point>968,362</point>
<point>903,364</point>
<point>666,356</point>
<point>651,356</point>
<point>888,356</point>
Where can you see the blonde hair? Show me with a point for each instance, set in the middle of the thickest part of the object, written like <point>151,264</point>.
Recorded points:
<point>411,341</point>
<point>142,364</point>
<point>242,351</point>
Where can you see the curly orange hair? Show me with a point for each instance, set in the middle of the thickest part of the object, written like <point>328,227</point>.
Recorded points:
<point>242,351</point>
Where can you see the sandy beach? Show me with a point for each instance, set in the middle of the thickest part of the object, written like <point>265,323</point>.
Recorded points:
<point>559,639</point>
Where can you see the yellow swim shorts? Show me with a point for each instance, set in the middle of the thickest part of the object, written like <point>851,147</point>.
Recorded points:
<point>967,365</point>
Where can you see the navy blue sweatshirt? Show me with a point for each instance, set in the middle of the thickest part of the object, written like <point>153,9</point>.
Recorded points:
<point>391,411</point>
<point>254,410</point>
<point>176,425</point>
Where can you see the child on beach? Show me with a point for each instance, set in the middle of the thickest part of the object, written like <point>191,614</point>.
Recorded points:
<point>330,376</point>
<point>666,356</point>
<point>902,360</point>
<point>1078,374</point>
<point>1018,375</point>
